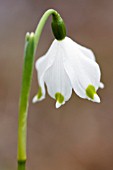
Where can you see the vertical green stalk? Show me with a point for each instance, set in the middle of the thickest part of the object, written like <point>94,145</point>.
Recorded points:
<point>23,107</point>
<point>29,53</point>
<point>21,165</point>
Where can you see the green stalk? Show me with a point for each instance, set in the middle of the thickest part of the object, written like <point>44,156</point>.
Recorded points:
<point>29,53</point>
<point>42,23</point>
<point>24,96</point>
<point>21,165</point>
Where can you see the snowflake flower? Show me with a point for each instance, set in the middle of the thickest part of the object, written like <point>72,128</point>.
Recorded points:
<point>66,66</point>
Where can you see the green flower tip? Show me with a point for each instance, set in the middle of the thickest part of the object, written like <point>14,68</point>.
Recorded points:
<point>39,96</point>
<point>91,93</point>
<point>59,99</point>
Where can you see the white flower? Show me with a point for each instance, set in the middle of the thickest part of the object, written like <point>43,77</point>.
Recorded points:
<point>66,66</point>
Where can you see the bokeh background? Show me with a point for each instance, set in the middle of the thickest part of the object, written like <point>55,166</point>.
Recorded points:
<point>79,135</point>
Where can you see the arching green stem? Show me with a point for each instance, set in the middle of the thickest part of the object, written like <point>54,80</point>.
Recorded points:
<point>29,53</point>
<point>42,23</point>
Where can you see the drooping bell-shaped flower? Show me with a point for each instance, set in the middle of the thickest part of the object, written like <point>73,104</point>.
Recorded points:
<point>66,66</point>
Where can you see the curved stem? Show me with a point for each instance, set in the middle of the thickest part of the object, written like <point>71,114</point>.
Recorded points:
<point>29,53</point>
<point>42,23</point>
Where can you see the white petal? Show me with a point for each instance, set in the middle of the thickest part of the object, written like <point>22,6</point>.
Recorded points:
<point>81,70</point>
<point>35,99</point>
<point>56,78</point>
<point>59,104</point>
<point>43,63</point>
<point>101,85</point>
<point>86,51</point>
<point>96,98</point>
<point>70,45</point>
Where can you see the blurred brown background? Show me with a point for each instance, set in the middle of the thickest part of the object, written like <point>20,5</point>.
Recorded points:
<point>79,135</point>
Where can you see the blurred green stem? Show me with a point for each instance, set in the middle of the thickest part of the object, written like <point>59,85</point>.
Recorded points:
<point>29,53</point>
<point>21,165</point>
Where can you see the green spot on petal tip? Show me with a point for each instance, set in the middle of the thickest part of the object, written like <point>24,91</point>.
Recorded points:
<point>59,97</point>
<point>90,91</point>
<point>39,95</point>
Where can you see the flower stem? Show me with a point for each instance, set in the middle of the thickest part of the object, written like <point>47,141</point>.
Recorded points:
<point>42,23</point>
<point>23,107</point>
<point>21,165</point>
<point>29,53</point>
